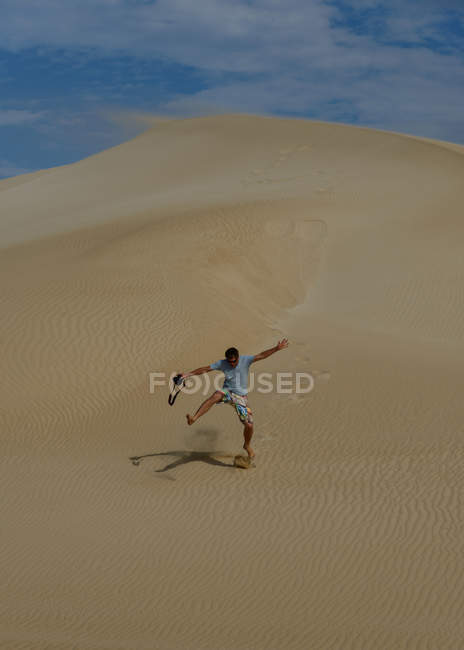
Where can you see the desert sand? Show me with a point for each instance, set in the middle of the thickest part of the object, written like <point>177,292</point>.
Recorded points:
<point>157,255</point>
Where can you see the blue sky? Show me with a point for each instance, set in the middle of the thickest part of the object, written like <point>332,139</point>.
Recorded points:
<point>79,76</point>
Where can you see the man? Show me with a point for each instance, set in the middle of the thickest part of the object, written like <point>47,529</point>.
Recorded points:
<point>235,387</point>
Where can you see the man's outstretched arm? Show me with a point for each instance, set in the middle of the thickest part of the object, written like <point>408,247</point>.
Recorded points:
<point>198,371</point>
<point>267,353</point>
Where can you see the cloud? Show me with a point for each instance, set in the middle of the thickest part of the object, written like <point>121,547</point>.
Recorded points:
<point>388,64</point>
<point>264,37</point>
<point>13,117</point>
<point>211,34</point>
<point>406,22</point>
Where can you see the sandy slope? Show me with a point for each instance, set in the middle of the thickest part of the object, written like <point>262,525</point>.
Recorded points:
<point>158,254</point>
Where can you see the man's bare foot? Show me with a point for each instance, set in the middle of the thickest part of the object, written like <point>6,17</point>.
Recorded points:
<point>249,450</point>
<point>190,420</point>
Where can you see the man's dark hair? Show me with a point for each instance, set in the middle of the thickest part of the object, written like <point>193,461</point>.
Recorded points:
<point>231,353</point>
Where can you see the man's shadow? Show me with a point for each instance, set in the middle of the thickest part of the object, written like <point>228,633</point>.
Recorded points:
<point>205,437</point>
<point>183,457</point>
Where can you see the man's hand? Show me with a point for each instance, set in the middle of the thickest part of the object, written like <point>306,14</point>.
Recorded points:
<point>267,353</point>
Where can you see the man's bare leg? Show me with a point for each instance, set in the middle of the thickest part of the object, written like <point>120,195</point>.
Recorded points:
<point>247,433</point>
<point>207,404</point>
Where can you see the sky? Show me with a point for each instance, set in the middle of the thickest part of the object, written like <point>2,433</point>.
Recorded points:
<point>80,76</point>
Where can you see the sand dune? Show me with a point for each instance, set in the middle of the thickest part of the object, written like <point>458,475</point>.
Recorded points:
<point>158,254</point>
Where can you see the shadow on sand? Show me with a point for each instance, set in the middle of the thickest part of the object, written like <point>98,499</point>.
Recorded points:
<point>183,457</point>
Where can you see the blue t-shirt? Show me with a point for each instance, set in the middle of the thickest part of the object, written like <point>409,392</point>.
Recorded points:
<point>236,378</point>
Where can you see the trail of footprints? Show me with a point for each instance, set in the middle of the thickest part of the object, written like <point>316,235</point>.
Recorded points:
<point>278,171</point>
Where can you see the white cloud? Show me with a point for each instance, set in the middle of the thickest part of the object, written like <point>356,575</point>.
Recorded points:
<point>263,37</point>
<point>285,56</point>
<point>11,117</point>
<point>209,34</point>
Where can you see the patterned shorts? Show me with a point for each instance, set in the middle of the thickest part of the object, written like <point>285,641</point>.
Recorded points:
<point>240,402</point>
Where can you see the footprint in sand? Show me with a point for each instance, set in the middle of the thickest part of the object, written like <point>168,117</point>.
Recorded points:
<point>265,175</point>
<point>304,359</point>
<point>297,397</point>
<point>265,438</point>
<point>321,375</point>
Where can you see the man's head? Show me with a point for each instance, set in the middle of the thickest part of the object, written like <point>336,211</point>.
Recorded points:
<point>232,356</point>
